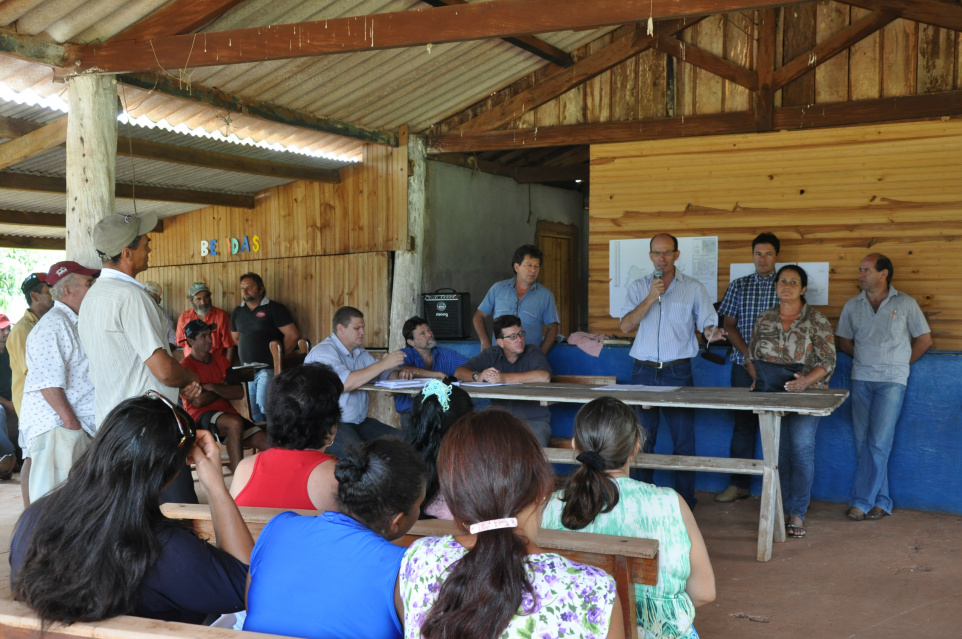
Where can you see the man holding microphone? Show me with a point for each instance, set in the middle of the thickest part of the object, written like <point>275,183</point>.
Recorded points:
<point>663,307</point>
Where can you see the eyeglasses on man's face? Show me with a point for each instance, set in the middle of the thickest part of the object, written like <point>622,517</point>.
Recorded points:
<point>518,335</point>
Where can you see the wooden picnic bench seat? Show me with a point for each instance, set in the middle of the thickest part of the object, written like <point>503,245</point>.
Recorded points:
<point>628,559</point>
<point>17,621</point>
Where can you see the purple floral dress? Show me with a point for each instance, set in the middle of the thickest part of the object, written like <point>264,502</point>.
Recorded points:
<point>573,600</point>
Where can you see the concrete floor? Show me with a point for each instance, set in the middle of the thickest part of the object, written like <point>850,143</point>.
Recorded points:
<point>895,578</point>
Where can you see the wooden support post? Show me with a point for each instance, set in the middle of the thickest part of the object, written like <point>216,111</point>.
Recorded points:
<point>91,161</point>
<point>407,264</point>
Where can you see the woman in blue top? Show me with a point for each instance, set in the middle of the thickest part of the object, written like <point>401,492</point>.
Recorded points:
<point>332,576</point>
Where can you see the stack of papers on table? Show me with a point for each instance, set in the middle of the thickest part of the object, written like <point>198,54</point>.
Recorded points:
<point>485,384</point>
<point>402,383</point>
<point>636,387</point>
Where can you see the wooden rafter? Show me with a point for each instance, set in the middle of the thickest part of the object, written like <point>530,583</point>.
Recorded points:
<point>913,107</point>
<point>42,243</point>
<point>475,21</point>
<point>529,43</point>
<point>32,49</point>
<point>26,146</point>
<point>14,127</point>
<point>44,184</point>
<point>937,12</point>
<point>708,61</point>
<point>132,147</point>
<point>180,16</point>
<point>562,80</point>
<point>832,46</point>
<point>29,218</point>
<point>541,174</point>
<point>218,99</point>
<point>222,161</point>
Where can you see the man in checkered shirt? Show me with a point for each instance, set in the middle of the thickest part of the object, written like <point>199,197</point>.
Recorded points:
<point>746,298</point>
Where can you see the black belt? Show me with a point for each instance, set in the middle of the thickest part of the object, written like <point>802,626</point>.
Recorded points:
<point>663,364</point>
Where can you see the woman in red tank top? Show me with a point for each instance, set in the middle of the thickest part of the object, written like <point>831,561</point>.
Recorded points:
<point>302,418</point>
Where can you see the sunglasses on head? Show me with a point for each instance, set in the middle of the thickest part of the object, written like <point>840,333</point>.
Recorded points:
<point>186,430</point>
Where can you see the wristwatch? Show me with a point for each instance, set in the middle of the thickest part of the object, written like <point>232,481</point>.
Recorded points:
<point>474,375</point>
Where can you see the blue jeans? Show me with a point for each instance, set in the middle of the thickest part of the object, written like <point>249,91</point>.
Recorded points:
<point>352,434</point>
<point>746,425</point>
<point>6,446</point>
<point>681,422</point>
<point>796,462</point>
<point>875,411</point>
<point>258,392</point>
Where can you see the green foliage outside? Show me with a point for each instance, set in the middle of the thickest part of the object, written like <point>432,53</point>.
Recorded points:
<point>15,265</point>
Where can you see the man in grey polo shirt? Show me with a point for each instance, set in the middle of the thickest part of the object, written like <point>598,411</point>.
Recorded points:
<point>523,297</point>
<point>512,361</point>
<point>123,331</point>
<point>885,332</point>
<point>344,352</point>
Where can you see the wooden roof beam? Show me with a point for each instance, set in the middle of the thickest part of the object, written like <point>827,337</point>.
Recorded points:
<point>30,144</point>
<point>531,44</point>
<point>180,16</point>
<point>419,27</point>
<point>25,182</point>
<point>832,46</point>
<point>936,12</point>
<point>541,174</point>
<point>132,147</point>
<point>708,61</point>
<point>42,243</point>
<point>913,107</point>
<point>30,218</point>
<point>562,80</point>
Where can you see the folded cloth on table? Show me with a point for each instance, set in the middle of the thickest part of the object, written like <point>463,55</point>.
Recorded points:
<point>591,343</point>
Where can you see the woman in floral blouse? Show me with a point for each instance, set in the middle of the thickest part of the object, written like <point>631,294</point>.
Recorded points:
<point>795,333</point>
<point>494,581</point>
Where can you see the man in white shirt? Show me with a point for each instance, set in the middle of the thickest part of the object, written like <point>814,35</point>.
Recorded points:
<point>58,397</point>
<point>123,331</point>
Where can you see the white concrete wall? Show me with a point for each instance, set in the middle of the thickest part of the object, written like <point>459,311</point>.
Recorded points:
<point>474,221</point>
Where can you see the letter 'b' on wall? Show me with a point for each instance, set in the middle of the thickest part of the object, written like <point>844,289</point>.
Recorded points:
<point>204,250</point>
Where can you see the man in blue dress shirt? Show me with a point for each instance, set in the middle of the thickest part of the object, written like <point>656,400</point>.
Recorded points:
<point>423,358</point>
<point>524,297</point>
<point>663,309</point>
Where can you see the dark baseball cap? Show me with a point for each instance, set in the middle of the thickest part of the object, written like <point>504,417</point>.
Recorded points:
<point>32,280</point>
<point>196,327</point>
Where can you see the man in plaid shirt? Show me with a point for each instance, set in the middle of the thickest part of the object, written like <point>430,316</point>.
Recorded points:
<point>746,298</point>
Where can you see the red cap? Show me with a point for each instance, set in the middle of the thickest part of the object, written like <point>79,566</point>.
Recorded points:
<point>4,321</point>
<point>61,270</point>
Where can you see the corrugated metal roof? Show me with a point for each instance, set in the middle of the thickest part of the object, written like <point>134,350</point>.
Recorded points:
<point>378,89</point>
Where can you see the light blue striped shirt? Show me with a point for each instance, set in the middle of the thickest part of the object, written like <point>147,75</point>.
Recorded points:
<point>667,332</point>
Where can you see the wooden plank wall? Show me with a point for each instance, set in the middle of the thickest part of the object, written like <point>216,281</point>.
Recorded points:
<point>321,246</point>
<point>830,195</point>
<point>904,58</point>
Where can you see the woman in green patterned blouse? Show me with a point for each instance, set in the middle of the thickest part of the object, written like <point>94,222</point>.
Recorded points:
<point>601,498</point>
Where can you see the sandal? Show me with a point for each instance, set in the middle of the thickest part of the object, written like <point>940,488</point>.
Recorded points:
<point>792,530</point>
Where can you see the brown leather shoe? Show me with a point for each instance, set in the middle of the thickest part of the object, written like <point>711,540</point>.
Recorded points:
<point>876,513</point>
<point>732,493</point>
<point>855,514</point>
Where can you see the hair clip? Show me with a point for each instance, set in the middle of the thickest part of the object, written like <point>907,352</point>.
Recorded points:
<point>493,524</point>
<point>437,388</point>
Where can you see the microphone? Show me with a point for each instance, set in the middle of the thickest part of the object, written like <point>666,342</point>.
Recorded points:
<point>657,274</point>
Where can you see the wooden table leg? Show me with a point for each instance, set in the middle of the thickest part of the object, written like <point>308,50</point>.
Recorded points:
<point>771,524</point>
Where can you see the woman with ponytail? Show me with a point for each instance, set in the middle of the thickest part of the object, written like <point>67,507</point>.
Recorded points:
<point>493,580</point>
<point>435,410</point>
<point>601,498</point>
<point>332,576</point>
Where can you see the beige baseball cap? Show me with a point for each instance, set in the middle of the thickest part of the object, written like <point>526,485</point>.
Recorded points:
<point>115,232</point>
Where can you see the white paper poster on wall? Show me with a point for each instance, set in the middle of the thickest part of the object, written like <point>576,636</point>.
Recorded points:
<point>628,261</point>
<point>817,294</point>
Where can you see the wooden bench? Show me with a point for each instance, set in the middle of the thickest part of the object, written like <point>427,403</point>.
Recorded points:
<point>19,622</point>
<point>629,560</point>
